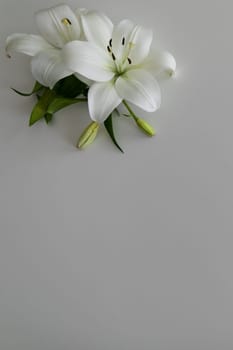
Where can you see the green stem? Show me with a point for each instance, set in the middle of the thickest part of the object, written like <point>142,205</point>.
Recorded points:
<point>131,112</point>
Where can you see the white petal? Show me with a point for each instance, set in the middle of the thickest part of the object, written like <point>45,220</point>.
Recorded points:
<point>140,88</point>
<point>102,100</point>
<point>159,62</point>
<point>97,27</point>
<point>47,67</point>
<point>58,25</point>
<point>83,79</point>
<point>120,38</point>
<point>140,43</point>
<point>89,60</point>
<point>79,12</point>
<point>26,43</point>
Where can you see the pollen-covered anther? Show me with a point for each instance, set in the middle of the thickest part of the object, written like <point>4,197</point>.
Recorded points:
<point>110,42</point>
<point>129,60</point>
<point>109,49</point>
<point>123,41</point>
<point>113,57</point>
<point>66,21</point>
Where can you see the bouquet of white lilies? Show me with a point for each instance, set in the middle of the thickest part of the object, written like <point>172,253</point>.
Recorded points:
<point>81,56</point>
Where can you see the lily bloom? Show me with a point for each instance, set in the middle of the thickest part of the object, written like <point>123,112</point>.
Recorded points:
<point>57,25</point>
<point>119,62</point>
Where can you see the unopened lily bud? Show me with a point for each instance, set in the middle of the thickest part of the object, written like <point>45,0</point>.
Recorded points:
<point>147,128</point>
<point>88,135</point>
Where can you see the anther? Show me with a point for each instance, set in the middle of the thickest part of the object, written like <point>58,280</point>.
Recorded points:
<point>109,49</point>
<point>113,57</point>
<point>123,41</point>
<point>110,42</point>
<point>66,21</point>
<point>129,60</point>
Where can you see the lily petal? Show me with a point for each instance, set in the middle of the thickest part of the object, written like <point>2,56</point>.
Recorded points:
<point>140,43</point>
<point>120,38</point>
<point>81,12</point>
<point>88,60</point>
<point>102,100</point>
<point>83,79</point>
<point>47,67</point>
<point>58,25</point>
<point>97,27</point>
<point>160,62</point>
<point>25,43</point>
<point>140,88</point>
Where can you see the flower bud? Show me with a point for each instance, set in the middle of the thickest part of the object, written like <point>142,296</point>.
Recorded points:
<point>88,135</point>
<point>147,128</point>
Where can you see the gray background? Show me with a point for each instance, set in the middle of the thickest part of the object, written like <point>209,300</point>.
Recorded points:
<point>104,251</point>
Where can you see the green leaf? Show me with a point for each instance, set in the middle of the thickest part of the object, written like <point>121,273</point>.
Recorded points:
<point>61,102</point>
<point>48,117</point>
<point>70,87</point>
<point>37,87</point>
<point>109,127</point>
<point>40,109</point>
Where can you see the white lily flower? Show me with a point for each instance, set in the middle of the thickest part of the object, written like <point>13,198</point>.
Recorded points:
<point>57,25</point>
<point>119,61</point>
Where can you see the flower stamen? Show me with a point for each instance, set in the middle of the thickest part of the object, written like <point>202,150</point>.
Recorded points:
<point>123,41</point>
<point>110,42</point>
<point>109,49</point>
<point>129,60</point>
<point>66,21</point>
<point>113,57</point>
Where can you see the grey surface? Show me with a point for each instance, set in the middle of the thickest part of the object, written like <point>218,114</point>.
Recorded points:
<point>104,251</point>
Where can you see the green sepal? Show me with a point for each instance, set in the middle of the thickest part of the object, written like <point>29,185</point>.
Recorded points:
<point>37,87</point>
<point>70,87</point>
<point>40,109</point>
<point>109,127</point>
<point>61,102</point>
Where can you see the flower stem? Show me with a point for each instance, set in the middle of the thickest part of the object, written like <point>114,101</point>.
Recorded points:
<point>131,112</point>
